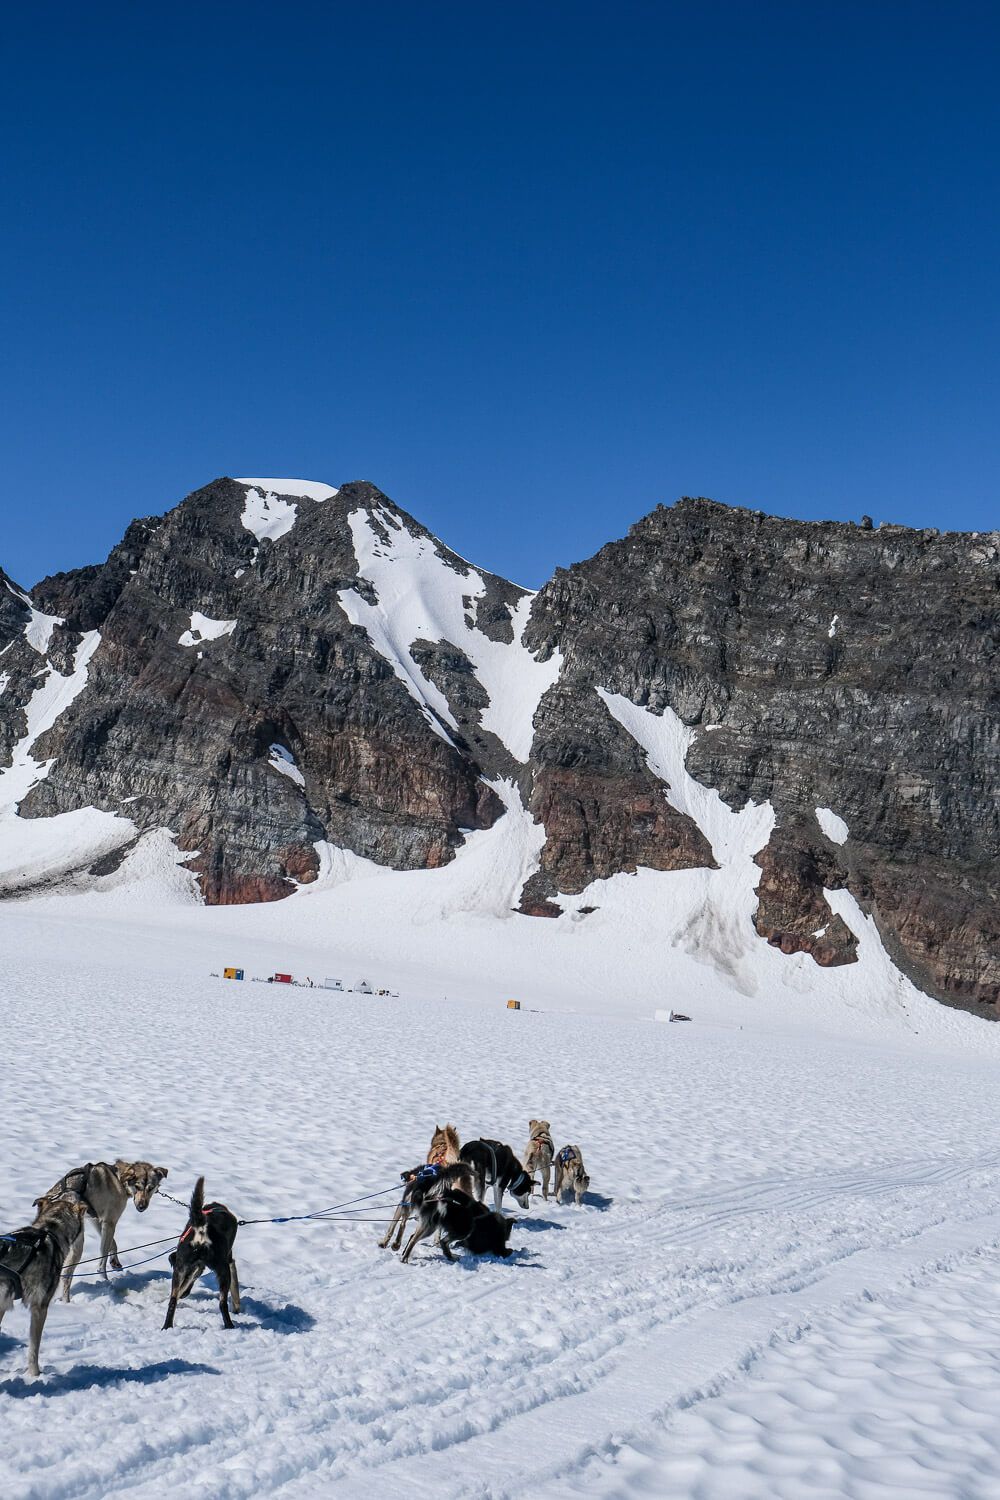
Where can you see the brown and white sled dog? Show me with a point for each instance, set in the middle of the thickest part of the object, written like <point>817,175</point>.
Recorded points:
<point>570,1173</point>
<point>538,1156</point>
<point>105,1190</point>
<point>31,1261</point>
<point>442,1153</point>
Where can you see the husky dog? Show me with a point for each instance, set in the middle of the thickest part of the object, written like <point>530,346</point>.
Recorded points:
<point>422,1183</point>
<point>442,1153</point>
<point>461,1220</point>
<point>106,1190</point>
<point>538,1156</point>
<point>205,1245</point>
<point>31,1260</point>
<point>570,1173</point>
<point>495,1163</point>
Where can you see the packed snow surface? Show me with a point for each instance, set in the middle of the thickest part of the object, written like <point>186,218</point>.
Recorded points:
<point>832,825</point>
<point>781,1283</point>
<point>423,597</point>
<point>204,628</point>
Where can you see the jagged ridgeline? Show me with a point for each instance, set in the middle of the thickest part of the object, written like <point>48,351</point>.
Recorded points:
<point>276,671</point>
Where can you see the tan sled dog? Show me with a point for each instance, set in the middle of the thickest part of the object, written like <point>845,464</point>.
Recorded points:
<point>442,1152</point>
<point>570,1174</point>
<point>538,1156</point>
<point>106,1190</point>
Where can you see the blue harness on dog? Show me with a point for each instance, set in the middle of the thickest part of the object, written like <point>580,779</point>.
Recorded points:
<point>567,1154</point>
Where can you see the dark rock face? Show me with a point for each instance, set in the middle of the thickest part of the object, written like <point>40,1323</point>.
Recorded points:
<point>847,668</point>
<point>186,731</point>
<point>820,666</point>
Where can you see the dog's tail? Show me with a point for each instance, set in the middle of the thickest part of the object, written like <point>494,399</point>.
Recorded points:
<point>197,1200</point>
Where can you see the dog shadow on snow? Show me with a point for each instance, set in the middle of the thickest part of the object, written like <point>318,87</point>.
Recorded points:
<point>86,1377</point>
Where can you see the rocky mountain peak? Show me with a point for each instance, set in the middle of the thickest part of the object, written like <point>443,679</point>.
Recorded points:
<point>796,720</point>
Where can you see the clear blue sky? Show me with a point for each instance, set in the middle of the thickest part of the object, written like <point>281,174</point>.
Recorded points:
<point>531,268</point>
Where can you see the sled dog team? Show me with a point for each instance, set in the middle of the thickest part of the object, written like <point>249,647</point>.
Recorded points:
<point>445,1194</point>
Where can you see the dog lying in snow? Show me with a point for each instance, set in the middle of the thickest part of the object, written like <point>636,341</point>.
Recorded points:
<point>538,1156</point>
<point>205,1245</point>
<point>570,1174</point>
<point>495,1163</point>
<point>442,1153</point>
<point>105,1190</point>
<point>31,1261</point>
<point>461,1220</point>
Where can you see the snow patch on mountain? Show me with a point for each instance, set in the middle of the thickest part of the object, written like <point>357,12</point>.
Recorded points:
<point>40,851</point>
<point>266,515</point>
<point>421,596</point>
<point>204,628</point>
<point>283,761</point>
<point>833,826</point>
<point>51,698</point>
<point>38,631</point>
<point>302,489</point>
<point>734,836</point>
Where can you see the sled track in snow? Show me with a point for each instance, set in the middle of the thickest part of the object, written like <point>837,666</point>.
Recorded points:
<point>611,1282</point>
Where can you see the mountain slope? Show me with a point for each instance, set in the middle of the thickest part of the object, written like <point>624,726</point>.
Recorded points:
<point>795,723</point>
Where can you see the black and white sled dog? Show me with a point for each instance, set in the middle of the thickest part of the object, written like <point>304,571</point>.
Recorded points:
<point>105,1190</point>
<point>31,1262</point>
<point>205,1245</point>
<point>423,1182</point>
<point>493,1162</point>
<point>571,1175</point>
<point>460,1220</point>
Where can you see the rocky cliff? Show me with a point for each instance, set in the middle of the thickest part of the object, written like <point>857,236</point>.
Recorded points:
<point>274,668</point>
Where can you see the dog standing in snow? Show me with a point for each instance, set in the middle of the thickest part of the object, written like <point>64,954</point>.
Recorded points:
<point>105,1191</point>
<point>495,1163</point>
<point>570,1174</point>
<point>31,1261</point>
<point>538,1156</point>
<point>205,1245</point>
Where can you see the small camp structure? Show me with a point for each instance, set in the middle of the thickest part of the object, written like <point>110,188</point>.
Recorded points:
<point>232,973</point>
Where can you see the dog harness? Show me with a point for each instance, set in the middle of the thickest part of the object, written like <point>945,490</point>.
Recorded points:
<point>34,1238</point>
<point>567,1154</point>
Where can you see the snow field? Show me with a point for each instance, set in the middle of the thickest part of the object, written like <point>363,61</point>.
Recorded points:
<point>762,1204</point>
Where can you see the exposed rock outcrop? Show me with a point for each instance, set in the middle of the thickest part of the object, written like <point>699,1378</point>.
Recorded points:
<point>270,677</point>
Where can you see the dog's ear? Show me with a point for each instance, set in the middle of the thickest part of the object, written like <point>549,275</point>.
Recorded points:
<point>161,1172</point>
<point>123,1168</point>
<point>37,1202</point>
